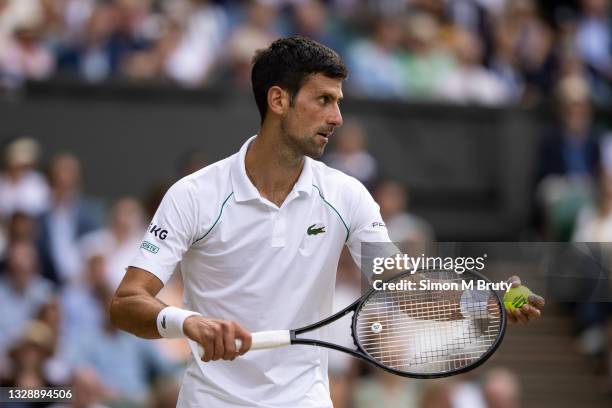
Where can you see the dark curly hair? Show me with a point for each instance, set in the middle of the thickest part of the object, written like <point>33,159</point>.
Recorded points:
<point>287,63</point>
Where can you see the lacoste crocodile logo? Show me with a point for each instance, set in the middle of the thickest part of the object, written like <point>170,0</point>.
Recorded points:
<point>314,231</point>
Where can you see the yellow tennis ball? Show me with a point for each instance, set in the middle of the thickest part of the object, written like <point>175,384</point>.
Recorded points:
<point>515,298</point>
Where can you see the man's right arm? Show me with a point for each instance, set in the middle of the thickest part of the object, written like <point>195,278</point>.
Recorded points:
<point>135,308</point>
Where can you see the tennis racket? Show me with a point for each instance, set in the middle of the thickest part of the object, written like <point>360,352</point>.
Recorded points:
<point>421,333</point>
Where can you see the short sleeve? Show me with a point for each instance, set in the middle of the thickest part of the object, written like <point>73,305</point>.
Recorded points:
<point>170,233</point>
<point>366,225</point>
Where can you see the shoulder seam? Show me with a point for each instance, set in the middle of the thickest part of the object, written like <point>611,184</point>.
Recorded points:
<point>335,210</point>
<point>217,220</point>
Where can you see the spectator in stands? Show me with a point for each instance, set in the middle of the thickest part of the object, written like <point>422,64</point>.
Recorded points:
<point>55,368</point>
<point>79,305</point>
<point>569,65</point>
<point>21,227</point>
<point>125,363</point>
<point>69,218</point>
<point>22,188</point>
<point>478,18</point>
<point>28,356</point>
<point>501,389</point>
<point>256,32</point>
<point>22,292</point>
<point>76,14</point>
<point>375,63</point>
<point>570,149</point>
<point>402,226</point>
<point>532,42</point>
<point>568,159</point>
<point>350,154</point>
<point>200,45</point>
<point>311,19</point>
<point>50,314</point>
<point>471,82</point>
<point>119,240</point>
<point>52,28</point>
<point>23,56</point>
<point>427,61</point>
<point>88,390</point>
<point>594,42</point>
<point>594,222</point>
<point>504,65</point>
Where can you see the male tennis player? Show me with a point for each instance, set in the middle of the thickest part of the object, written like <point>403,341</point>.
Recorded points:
<point>257,238</point>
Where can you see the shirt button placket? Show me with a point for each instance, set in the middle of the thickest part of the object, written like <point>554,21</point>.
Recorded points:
<point>278,232</point>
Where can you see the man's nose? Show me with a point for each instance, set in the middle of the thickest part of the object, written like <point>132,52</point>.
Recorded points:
<point>335,118</point>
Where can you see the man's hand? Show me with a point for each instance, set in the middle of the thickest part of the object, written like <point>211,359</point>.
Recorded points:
<point>530,311</point>
<point>217,337</point>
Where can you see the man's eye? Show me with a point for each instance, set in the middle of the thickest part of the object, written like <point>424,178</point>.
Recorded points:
<point>324,99</point>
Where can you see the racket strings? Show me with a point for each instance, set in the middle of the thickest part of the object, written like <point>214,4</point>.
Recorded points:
<point>394,353</point>
<point>423,331</point>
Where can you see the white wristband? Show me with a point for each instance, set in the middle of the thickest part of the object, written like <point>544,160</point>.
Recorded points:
<point>170,321</point>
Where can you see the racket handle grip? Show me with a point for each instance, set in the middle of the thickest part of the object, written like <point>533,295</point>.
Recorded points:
<point>262,340</point>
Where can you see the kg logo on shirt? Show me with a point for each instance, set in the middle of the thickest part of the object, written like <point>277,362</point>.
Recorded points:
<point>158,231</point>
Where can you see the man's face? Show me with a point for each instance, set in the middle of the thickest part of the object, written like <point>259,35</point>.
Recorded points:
<point>315,114</point>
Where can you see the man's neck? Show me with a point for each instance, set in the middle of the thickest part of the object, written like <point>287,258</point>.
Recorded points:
<point>272,166</point>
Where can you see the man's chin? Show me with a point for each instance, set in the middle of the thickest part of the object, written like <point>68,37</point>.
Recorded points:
<point>312,149</point>
<point>315,153</point>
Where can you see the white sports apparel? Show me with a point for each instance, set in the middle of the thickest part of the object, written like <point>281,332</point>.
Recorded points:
<point>242,258</point>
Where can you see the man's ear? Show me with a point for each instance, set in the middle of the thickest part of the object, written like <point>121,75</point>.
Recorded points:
<point>278,100</point>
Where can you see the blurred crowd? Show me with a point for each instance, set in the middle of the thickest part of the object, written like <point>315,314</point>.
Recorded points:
<point>465,51</point>
<point>62,255</point>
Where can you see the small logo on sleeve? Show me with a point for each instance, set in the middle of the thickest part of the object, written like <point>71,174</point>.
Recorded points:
<point>163,322</point>
<point>149,247</point>
<point>378,224</point>
<point>314,231</point>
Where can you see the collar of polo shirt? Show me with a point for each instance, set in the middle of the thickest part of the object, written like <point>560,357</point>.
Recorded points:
<point>243,188</point>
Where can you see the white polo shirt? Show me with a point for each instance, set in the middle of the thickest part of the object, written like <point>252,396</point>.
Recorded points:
<point>242,258</point>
